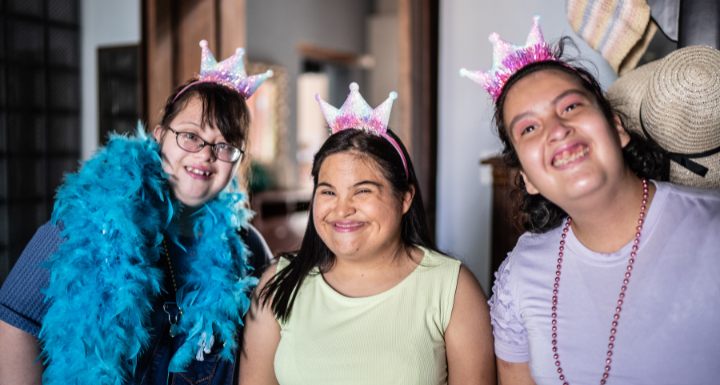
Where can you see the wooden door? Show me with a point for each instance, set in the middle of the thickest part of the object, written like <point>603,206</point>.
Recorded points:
<point>419,25</point>
<point>171,33</point>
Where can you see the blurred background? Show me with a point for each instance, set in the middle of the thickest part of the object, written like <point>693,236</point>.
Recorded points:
<point>71,71</point>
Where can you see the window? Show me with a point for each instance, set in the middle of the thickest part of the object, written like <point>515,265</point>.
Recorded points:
<point>119,90</point>
<point>39,114</point>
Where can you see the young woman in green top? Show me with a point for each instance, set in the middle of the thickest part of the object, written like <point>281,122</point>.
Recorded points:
<point>367,299</point>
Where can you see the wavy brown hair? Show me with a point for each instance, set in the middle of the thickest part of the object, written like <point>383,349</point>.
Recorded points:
<point>644,157</point>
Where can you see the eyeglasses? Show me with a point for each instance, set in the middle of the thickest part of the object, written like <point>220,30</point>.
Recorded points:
<point>193,143</point>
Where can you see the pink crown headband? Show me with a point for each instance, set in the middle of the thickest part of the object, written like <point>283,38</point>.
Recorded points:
<point>509,58</point>
<point>229,72</point>
<point>355,113</point>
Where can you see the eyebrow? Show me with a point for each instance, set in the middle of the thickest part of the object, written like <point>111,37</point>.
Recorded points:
<point>376,184</point>
<point>189,122</point>
<point>325,184</point>
<point>554,102</point>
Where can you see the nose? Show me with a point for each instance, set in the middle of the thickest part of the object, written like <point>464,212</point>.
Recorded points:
<point>344,207</point>
<point>207,153</point>
<point>559,130</point>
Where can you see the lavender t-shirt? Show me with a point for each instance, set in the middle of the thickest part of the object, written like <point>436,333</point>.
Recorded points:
<point>669,326</point>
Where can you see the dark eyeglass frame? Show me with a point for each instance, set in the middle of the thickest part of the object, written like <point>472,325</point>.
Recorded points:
<point>204,143</point>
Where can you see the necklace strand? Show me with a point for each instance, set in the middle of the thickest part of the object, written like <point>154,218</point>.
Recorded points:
<point>626,281</point>
<point>172,274</point>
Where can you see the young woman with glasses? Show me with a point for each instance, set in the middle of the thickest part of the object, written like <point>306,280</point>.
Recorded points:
<point>157,289</point>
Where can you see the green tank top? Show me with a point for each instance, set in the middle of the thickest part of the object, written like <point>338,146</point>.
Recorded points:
<point>395,337</point>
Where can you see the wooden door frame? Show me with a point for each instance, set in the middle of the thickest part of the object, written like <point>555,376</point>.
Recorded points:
<point>169,49</point>
<point>419,24</point>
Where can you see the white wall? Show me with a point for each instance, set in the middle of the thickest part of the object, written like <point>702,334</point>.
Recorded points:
<point>465,113</point>
<point>103,23</point>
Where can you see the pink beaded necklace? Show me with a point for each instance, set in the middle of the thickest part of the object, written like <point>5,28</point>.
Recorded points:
<point>626,281</point>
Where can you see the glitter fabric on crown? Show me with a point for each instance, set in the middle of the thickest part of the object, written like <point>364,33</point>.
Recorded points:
<point>357,114</point>
<point>509,58</point>
<point>229,72</point>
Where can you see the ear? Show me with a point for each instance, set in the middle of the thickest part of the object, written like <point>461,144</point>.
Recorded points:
<point>529,187</point>
<point>624,136</point>
<point>158,133</point>
<point>408,198</point>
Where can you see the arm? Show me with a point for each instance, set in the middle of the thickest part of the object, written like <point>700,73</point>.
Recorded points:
<point>468,337</point>
<point>261,338</point>
<point>18,351</point>
<point>22,309</point>
<point>510,373</point>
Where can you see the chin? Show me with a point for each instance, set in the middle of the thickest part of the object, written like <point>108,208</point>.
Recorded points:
<point>345,248</point>
<point>194,199</point>
<point>583,186</point>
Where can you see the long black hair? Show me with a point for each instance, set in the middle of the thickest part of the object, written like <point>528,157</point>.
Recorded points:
<point>282,289</point>
<point>644,157</point>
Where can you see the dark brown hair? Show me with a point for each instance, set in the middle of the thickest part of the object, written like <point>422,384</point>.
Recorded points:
<point>644,157</point>
<point>223,108</point>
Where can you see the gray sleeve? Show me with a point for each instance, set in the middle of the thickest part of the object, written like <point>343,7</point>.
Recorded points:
<point>22,304</point>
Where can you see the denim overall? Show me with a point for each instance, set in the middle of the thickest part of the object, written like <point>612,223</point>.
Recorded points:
<point>152,366</point>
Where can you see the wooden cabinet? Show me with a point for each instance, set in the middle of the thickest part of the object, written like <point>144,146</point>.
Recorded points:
<point>506,225</point>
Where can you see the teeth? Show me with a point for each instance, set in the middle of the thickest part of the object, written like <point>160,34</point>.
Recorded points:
<point>196,171</point>
<point>565,159</point>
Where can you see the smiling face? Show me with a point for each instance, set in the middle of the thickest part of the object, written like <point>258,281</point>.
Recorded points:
<point>355,210</point>
<point>195,178</point>
<point>567,148</point>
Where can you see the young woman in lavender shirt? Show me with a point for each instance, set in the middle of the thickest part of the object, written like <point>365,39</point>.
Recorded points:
<point>615,280</point>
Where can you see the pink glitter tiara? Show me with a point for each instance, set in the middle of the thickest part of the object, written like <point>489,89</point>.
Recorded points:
<point>509,58</point>
<point>229,73</point>
<point>357,114</point>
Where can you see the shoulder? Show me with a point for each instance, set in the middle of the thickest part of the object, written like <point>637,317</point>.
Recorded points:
<point>44,243</point>
<point>22,303</point>
<point>468,286</point>
<point>687,196</point>
<point>438,272</point>
<point>530,241</point>
<point>683,203</point>
<point>677,190</point>
<point>434,259</point>
<point>529,246</point>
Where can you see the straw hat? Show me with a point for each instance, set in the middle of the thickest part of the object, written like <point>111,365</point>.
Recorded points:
<point>676,101</point>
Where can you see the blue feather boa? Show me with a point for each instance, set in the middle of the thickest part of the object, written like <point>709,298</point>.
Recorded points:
<point>103,277</point>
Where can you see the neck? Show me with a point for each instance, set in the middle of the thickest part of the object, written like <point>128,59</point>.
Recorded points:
<point>375,273</point>
<point>372,261</point>
<point>606,222</point>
